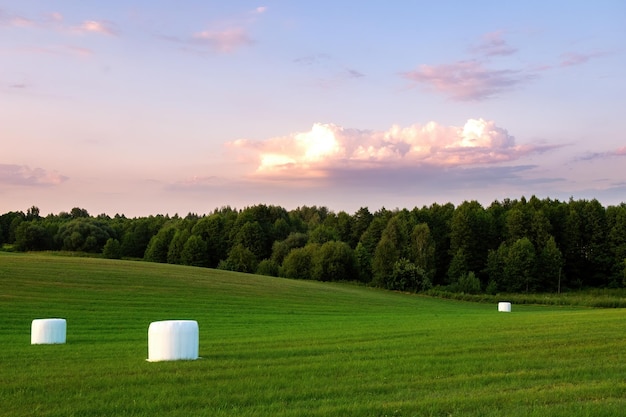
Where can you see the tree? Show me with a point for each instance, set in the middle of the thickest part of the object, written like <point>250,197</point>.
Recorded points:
<point>31,236</point>
<point>322,234</point>
<point>175,250</point>
<point>137,235</point>
<point>496,262</point>
<point>458,266</point>
<point>519,269</point>
<point>32,213</point>
<point>469,283</point>
<point>360,223</point>
<point>385,256</point>
<point>616,224</point>
<point>334,261</point>
<point>112,249</point>
<point>517,222</point>
<point>84,234</point>
<point>8,224</point>
<point>251,236</point>
<point>549,265</point>
<point>587,258</point>
<point>267,267</point>
<point>280,249</point>
<point>540,229</point>
<point>422,250</point>
<point>240,259</point>
<point>393,245</point>
<point>79,213</point>
<point>363,263</point>
<point>405,276</point>
<point>194,252</point>
<point>299,262</point>
<point>439,218</point>
<point>470,232</point>
<point>159,245</point>
<point>213,229</point>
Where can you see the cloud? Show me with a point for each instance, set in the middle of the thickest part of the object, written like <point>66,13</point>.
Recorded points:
<point>55,21</point>
<point>467,80</point>
<point>354,74</point>
<point>55,50</point>
<point>478,79</point>
<point>604,155</point>
<point>95,26</point>
<point>223,36</point>
<point>328,149</point>
<point>312,59</point>
<point>22,175</point>
<point>575,58</point>
<point>493,44</point>
<point>223,41</point>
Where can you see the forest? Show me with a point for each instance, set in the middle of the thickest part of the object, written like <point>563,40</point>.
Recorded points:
<point>522,245</point>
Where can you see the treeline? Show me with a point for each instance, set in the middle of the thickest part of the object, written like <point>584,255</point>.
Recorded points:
<point>510,246</point>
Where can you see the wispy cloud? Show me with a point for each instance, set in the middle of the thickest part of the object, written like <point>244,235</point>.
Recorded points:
<point>56,21</point>
<point>223,36</point>
<point>329,148</point>
<point>467,80</point>
<point>480,78</point>
<point>473,79</point>
<point>95,26</point>
<point>22,175</point>
<point>619,152</point>
<point>223,41</point>
<point>575,58</point>
<point>494,44</point>
<point>312,59</point>
<point>352,73</point>
<point>78,51</point>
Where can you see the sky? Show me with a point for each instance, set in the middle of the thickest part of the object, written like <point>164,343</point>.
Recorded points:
<point>172,107</point>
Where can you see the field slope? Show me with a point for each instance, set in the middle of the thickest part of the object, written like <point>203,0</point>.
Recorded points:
<point>276,347</point>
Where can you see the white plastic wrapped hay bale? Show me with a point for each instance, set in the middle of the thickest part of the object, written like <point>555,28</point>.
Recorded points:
<point>48,331</point>
<point>504,306</point>
<point>172,340</point>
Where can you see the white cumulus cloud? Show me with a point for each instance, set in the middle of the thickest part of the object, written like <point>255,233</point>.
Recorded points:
<point>328,147</point>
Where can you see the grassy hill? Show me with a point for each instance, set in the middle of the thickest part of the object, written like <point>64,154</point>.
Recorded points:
<point>277,347</point>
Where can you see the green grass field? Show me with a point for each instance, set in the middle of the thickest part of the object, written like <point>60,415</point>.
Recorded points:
<point>277,347</point>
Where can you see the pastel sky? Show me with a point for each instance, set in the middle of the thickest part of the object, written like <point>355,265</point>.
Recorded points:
<point>160,107</point>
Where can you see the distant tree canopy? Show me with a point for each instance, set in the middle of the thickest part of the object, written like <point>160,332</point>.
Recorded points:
<point>512,245</point>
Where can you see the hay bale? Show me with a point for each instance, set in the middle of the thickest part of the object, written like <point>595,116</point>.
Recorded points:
<point>504,306</point>
<point>171,340</point>
<point>48,331</point>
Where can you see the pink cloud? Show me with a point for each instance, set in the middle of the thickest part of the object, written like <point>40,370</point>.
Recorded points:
<point>22,22</point>
<point>55,21</point>
<point>223,41</point>
<point>95,26</point>
<point>55,17</point>
<point>56,50</point>
<point>493,44</point>
<point>467,80</point>
<point>574,58</point>
<point>24,175</point>
<point>604,155</point>
<point>328,147</point>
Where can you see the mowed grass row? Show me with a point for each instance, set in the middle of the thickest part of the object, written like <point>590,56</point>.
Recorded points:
<point>277,347</point>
